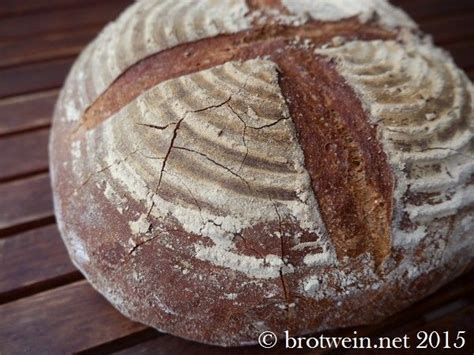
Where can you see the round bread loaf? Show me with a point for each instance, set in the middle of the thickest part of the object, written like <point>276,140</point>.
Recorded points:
<point>222,168</point>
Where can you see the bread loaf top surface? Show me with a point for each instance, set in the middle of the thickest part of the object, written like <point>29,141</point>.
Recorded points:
<point>297,158</point>
<point>148,27</point>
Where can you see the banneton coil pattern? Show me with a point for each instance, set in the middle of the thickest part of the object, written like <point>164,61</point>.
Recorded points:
<point>223,168</point>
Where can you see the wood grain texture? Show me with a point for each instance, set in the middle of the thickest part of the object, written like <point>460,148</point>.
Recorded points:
<point>421,10</point>
<point>168,344</point>
<point>27,112</point>
<point>46,47</point>
<point>59,19</point>
<point>25,203</point>
<point>33,77</point>
<point>14,7</point>
<point>31,259</point>
<point>63,320</point>
<point>411,318</point>
<point>457,317</point>
<point>24,153</point>
<point>462,53</point>
<point>448,29</point>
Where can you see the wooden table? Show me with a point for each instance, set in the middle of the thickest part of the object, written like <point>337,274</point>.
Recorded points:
<point>46,306</point>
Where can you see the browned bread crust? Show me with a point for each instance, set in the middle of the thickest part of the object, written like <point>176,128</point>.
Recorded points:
<point>264,166</point>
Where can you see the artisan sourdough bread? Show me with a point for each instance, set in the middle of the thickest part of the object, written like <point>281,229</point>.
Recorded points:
<point>222,168</point>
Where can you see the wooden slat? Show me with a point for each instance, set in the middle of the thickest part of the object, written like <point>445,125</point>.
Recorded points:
<point>168,344</point>
<point>59,20</point>
<point>26,112</point>
<point>24,153</point>
<point>50,46</point>
<point>33,77</point>
<point>11,7</point>
<point>125,342</point>
<point>32,261</point>
<point>448,29</point>
<point>420,10</point>
<point>25,203</point>
<point>414,315</point>
<point>63,320</point>
<point>460,320</point>
<point>439,314</point>
<point>451,317</point>
<point>463,53</point>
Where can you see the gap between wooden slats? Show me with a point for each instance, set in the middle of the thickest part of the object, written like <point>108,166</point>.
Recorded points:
<point>450,29</point>
<point>419,8</point>
<point>24,113</point>
<point>15,7</point>
<point>32,262</point>
<point>23,154</point>
<point>422,10</point>
<point>25,204</point>
<point>59,20</point>
<point>168,344</point>
<point>66,319</point>
<point>46,47</point>
<point>462,53</point>
<point>29,78</point>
